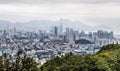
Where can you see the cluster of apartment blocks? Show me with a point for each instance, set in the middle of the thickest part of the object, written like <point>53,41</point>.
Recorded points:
<point>42,45</point>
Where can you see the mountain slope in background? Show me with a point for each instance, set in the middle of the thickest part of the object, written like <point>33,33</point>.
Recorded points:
<point>6,24</point>
<point>47,25</point>
<point>103,27</point>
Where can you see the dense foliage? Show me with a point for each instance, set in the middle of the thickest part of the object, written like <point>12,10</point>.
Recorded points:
<point>20,64</point>
<point>107,59</point>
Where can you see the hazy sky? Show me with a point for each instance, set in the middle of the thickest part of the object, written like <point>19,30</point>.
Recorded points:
<point>92,12</point>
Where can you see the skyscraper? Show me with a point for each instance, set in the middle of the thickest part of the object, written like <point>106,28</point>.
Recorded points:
<point>67,34</point>
<point>55,30</point>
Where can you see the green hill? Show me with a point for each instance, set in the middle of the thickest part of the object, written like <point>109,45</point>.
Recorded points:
<point>107,59</point>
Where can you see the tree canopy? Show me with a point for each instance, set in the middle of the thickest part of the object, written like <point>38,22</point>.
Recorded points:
<point>107,59</point>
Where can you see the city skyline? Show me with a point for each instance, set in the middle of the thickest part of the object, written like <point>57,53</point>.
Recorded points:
<point>46,25</point>
<point>59,35</point>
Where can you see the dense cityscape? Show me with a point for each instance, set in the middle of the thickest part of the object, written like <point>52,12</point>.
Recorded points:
<point>59,35</point>
<point>44,45</point>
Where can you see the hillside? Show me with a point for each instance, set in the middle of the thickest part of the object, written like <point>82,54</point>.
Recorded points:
<point>107,59</point>
<point>48,24</point>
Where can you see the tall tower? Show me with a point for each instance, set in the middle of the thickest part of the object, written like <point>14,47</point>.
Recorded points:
<point>61,27</point>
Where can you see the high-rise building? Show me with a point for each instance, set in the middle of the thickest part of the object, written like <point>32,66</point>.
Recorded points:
<point>90,36</point>
<point>100,33</point>
<point>111,34</point>
<point>55,30</point>
<point>67,36</point>
<point>105,34</point>
<point>76,35</point>
<point>71,34</point>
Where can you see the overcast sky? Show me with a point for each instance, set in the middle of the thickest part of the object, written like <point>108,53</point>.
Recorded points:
<point>91,12</point>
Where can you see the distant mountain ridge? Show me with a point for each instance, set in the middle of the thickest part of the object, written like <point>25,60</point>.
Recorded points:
<point>48,24</point>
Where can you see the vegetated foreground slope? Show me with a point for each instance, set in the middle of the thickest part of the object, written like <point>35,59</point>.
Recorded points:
<point>107,59</point>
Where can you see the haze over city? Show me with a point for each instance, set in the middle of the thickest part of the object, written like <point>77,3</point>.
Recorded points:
<point>59,35</point>
<point>93,12</point>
